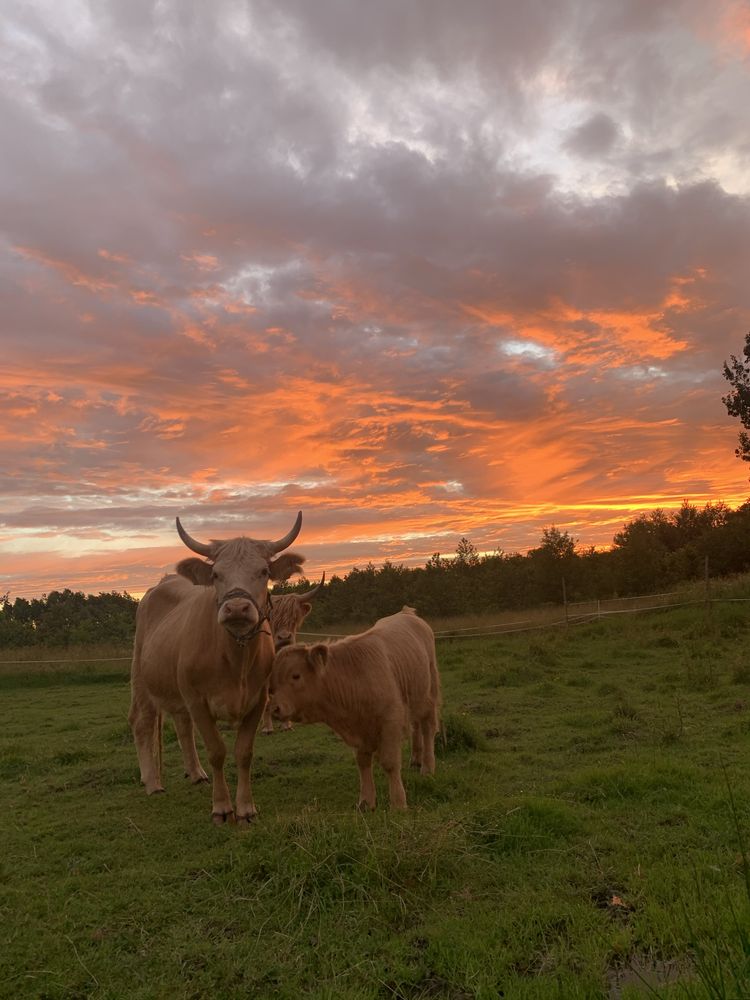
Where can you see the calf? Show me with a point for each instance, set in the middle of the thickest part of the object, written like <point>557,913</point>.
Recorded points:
<point>288,611</point>
<point>371,689</point>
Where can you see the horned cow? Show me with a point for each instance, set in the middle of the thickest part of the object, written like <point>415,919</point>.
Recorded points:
<point>371,689</point>
<point>203,651</point>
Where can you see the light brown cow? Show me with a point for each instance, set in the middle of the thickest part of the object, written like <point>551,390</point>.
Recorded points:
<point>203,651</point>
<point>288,611</point>
<point>370,689</point>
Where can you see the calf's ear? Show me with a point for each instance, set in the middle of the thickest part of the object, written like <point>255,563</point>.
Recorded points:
<point>195,570</point>
<point>305,607</point>
<point>287,563</point>
<point>318,657</point>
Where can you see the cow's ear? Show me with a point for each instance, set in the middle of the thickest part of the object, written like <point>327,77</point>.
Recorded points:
<point>287,563</point>
<point>195,570</point>
<point>317,657</point>
<point>305,607</point>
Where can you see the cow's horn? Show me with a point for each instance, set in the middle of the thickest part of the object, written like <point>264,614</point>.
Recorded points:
<point>287,540</point>
<point>311,593</point>
<point>200,547</point>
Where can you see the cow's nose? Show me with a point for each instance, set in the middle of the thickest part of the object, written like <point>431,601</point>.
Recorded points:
<point>283,638</point>
<point>238,609</point>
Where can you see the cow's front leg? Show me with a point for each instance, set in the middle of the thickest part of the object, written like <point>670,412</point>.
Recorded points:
<point>221,807</point>
<point>366,782</point>
<point>243,754</point>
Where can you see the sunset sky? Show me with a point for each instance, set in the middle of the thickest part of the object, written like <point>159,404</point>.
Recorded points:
<point>418,268</point>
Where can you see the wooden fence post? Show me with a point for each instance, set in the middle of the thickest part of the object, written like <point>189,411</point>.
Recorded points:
<point>565,600</point>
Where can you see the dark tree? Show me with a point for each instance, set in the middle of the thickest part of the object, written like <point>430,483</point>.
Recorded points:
<point>737,402</point>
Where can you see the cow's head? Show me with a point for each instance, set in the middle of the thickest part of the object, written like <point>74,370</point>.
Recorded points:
<point>296,682</point>
<point>288,611</point>
<point>239,570</point>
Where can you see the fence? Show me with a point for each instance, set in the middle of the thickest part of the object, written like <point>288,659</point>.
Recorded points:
<point>573,613</point>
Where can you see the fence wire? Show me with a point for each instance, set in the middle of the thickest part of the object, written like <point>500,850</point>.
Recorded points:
<point>471,631</point>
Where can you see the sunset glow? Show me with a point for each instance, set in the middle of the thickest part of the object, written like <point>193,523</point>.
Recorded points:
<point>469,273</point>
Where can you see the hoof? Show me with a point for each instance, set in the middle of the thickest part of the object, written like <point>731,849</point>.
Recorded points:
<point>245,822</point>
<point>267,732</point>
<point>365,807</point>
<point>201,779</point>
<point>220,818</point>
<point>415,765</point>
<point>158,790</point>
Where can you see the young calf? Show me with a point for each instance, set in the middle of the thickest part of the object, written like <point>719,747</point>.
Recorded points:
<point>288,611</point>
<point>371,689</point>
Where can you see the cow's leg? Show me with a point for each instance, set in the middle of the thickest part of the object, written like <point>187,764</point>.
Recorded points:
<point>267,721</point>
<point>390,761</point>
<point>417,750</point>
<point>243,754</point>
<point>286,726</point>
<point>145,721</point>
<point>366,781</point>
<point>429,728</point>
<point>183,724</point>
<point>221,804</point>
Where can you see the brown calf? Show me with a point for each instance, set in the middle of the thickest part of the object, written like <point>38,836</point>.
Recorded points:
<point>371,689</point>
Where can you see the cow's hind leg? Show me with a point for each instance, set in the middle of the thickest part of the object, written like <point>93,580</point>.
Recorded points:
<point>243,754</point>
<point>390,761</point>
<point>428,727</point>
<point>183,725</point>
<point>416,746</point>
<point>267,729</point>
<point>366,781</point>
<point>221,802</point>
<point>146,721</point>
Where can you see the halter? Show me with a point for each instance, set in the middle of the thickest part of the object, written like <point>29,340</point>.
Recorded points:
<point>264,615</point>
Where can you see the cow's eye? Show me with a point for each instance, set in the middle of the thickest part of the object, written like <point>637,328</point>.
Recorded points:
<point>295,677</point>
<point>264,571</point>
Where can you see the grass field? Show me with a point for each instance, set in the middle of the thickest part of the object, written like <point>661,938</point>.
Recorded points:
<point>582,836</point>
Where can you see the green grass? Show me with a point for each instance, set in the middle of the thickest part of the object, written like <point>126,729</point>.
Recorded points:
<point>578,839</point>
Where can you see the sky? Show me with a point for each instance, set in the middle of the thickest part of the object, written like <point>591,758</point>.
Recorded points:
<point>419,269</point>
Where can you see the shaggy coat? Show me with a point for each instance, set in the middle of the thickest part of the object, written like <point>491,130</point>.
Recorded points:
<point>373,690</point>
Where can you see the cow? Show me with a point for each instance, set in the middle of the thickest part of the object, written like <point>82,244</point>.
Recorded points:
<point>288,611</point>
<point>203,651</point>
<point>370,689</point>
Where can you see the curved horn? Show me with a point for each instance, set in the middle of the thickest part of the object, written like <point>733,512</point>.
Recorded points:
<point>287,540</point>
<point>311,593</point>
<point>200,547</point>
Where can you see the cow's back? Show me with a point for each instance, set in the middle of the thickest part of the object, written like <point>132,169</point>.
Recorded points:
<point>410,645</point>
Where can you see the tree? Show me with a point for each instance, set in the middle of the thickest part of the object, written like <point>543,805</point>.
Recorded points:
<point>737,402</point>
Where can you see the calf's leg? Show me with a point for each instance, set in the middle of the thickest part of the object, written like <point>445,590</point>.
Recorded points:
<point>416,746</point>
<point>429,728</point>
<point>390,761</point>
<point>366,782</point>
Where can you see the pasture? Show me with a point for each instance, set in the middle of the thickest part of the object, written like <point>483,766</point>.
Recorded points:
<point>582,838</point>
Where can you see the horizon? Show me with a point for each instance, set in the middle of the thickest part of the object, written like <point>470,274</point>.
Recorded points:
<point>421,273</point>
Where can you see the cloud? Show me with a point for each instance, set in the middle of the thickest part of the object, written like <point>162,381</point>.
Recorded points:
<point>421,271</point>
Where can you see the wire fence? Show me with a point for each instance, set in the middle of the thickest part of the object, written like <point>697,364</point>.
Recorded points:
<point>599,610</point>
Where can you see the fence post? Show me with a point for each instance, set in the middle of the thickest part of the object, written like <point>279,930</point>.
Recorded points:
<point>598,609</point>
<point>565,600</point>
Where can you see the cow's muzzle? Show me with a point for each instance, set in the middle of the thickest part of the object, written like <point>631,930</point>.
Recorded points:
<point>236,608</point>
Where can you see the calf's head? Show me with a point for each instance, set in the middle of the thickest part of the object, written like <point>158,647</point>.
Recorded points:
<point>288,611</point>
<point>296,682</point>
<point>239,570</point>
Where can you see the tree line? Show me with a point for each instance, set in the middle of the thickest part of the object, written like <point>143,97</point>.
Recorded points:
<point>654,551</point>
